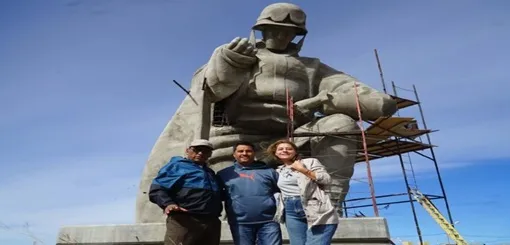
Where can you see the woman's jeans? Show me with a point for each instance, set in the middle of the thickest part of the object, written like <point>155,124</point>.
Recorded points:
<point>297,227</point>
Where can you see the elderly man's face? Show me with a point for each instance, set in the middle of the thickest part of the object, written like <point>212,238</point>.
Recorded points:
<point>278,37</point>
<point>199,154</point>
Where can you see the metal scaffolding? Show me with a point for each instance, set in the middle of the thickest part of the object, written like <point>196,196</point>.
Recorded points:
<point>389,137</point>
<point>401,137</point>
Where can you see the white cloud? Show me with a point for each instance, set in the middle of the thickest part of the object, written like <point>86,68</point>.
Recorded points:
<point>95,190</point>
<point>386,170</point>
<point>45,223</point>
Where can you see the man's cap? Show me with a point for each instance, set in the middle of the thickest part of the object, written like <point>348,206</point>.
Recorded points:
<point>201,142</point>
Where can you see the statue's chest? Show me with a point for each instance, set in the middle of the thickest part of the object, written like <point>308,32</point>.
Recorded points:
<point>275,75</point>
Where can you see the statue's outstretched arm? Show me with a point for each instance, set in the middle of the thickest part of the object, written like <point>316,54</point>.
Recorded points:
<point>342,96</point>
<point>227,70</point>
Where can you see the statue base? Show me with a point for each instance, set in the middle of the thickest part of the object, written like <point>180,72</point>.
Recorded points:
<point>351,231</point>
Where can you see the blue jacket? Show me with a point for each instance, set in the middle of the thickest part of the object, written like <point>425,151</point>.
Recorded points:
<point>249,192</point>
<point>189,185</point>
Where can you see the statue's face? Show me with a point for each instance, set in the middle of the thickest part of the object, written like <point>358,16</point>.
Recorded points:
<point>278,37</point>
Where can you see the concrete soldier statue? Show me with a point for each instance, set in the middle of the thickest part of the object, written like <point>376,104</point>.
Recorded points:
<point>240,95</point>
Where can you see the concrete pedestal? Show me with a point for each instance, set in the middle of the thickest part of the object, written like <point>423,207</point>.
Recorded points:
<point>369,231</point>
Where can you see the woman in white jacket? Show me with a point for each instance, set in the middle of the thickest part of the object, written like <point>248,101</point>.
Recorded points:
<point>304,207</point>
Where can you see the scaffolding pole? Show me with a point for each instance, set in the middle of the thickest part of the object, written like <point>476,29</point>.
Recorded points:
<point>290,114</point>
<point>380,71</point>
<point>434,158</point>
<point>408,189</point>
<point>365,150</point>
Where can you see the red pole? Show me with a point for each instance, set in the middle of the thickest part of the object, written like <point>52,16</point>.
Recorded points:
<point>369,171</point>
<point>290,114</point>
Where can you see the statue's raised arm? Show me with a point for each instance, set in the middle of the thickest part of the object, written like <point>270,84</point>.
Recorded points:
<point>229,67</point>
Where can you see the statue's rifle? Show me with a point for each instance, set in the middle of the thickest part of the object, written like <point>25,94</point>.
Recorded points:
<point>186,91</point>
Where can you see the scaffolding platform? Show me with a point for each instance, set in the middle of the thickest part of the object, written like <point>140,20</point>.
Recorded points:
<point>403,103</point>
<point>384,138</point>
<point>398,136</point>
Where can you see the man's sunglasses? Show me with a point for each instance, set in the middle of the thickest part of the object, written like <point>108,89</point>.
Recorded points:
<point>203,149</point>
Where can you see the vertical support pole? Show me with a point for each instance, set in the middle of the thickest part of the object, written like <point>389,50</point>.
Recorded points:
<point>345,209</point>
<point>380,71</point>
<point>409,194</point>
<point>290,114</point>
<point>434,158</point>
<point>365,149</point>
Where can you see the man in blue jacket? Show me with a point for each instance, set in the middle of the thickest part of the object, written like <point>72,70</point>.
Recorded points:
<point>187,190</point>
<point>249,187</point>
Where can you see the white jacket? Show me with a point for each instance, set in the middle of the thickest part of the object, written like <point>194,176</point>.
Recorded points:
<point>316,203</point>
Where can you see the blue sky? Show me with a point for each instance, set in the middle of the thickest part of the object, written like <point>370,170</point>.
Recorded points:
<point>85,90</point>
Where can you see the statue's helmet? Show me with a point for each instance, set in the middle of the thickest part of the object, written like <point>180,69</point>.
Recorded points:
<point>282,14</point>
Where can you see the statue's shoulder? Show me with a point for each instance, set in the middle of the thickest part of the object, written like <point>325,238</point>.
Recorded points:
<point>200,69</point>
<point>308,60</point>
<point>323,68</point>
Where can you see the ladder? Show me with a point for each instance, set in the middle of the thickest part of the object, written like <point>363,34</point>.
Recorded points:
<point>432,210</point>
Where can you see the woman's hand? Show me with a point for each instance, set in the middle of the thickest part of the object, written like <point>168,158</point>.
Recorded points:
<point>300,167</point>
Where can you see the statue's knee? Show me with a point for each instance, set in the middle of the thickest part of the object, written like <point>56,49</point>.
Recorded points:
<point>339,147</point>
<point>337,122</point>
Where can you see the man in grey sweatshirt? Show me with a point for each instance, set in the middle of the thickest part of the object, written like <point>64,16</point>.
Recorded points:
<point>249,187</point>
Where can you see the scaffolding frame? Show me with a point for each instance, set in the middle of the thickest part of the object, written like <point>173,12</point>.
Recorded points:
<point>400,144</point>
<point>389,137</point>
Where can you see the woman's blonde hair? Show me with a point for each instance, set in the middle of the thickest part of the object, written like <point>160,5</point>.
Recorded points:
<point>271,150</point>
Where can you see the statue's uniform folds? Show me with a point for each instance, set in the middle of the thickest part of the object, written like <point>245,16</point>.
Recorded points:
<point>249,93</point>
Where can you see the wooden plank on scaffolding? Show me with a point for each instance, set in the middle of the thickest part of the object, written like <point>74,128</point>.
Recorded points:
<point>383,124</point>
<point>403,103</point>
<point>384,128</point>
<point>391,148</point>
<point>409,134</point>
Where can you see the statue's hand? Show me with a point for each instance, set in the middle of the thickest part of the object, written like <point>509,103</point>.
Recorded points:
<point>305,106</point>
<point>242,46</point>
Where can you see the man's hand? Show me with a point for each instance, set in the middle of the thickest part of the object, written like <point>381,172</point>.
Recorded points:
<point>242,46</point>
<point>173,208</point>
